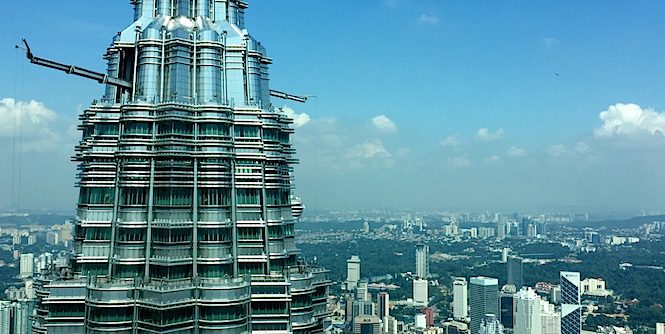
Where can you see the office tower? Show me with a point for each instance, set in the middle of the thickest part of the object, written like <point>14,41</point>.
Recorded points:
<point>5,317</point>
<point>504,254</point>
<point>455,327</point>
<point>550,319</point>
<point>420,321</point>
<point>185,220</point>
<point>506,307</point>
<point>383,300</point>
<point>526,312</point>
<point>524,226</point>
<point>429,315</point>
<point>420,292</point>
<point>460,299</point>
<point>571,310</point>
<point>660,328</point>
<point>362,292</point>
<point>367,325</point>
<point>483,300</point>
<point>16,239</point>
<point>22,310</point>
<point>533,315</point>
<point>422,263</point>
<point>501,230</point>
<point>352,272</point>
<point>390,325</point>
<point>515,272</point>
<point>490,325</point>
<point>52,238</point>
<point>27,264</point>
<point>363,308</point>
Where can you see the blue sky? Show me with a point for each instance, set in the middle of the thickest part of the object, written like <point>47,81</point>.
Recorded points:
<point>420,103</point>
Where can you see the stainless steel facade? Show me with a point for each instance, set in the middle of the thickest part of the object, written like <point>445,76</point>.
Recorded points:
<point>185,220</point>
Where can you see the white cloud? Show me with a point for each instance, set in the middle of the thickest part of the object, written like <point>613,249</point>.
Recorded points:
<point>582,147</point>
<point>460,162</point>
<point>548,42</point>
<point>485,134</point>
<point>391,3</point>
<point>299,120</point>
<point>630,119</point>
<point>556,150</point>
<point>369,150</point>
<point>492,160</point>
<point>427,19</point>
<point>451,141</point>
<point>384,124</point>
<point>515,152</point>
<point>31,121</point>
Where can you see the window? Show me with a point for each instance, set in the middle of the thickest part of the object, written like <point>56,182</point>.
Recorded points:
<point>96,196</point>
<point>215,197</point>
<point>214,129</point>
<point>247,131</point>
<point>131,234</point>
<point>175,128</point>
<point>248,196</point>
<point>107,129</point>
<point>173,196</point>
<point>138,128</point>
<point>134,196</point>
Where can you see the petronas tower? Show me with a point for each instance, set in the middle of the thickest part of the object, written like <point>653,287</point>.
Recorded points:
<point>185,220</point>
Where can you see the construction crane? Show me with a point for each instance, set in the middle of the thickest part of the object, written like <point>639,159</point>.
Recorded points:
<point>123,84</point>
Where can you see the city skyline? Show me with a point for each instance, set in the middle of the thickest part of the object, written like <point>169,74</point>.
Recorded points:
<point>512,108</point>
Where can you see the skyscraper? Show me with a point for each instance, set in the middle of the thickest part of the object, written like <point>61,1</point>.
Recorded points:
<point>422,263</point>
<point>515,272</point>
<point>460,299</point>
<point>533,315</point>
<point>383,299</point>
<point>420,292</point>
<point>571,310</point>
<point>490,325</point>
<point>27,265</point>
<point>185,220</point>
<point>5,317</point>
<point>483,300</point>
<point>352,272</point>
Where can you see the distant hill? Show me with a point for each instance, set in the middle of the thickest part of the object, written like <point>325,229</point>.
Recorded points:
<point>619,224</point>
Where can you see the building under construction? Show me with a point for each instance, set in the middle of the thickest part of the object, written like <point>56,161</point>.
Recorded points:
<point>185,220</point>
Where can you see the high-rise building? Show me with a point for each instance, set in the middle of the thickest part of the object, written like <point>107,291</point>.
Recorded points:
<point>515,272</point>
<point>504,254</point>
<point>660,328</point>
<point>571,310</point>
<point>185,220</point>
<point>367,325</point>
<point>383,301</point>
<point>352,272</point>
<point>455,327</point>
<point>422,263</point>
<point>27,265</point>
<point>506,297</point>
<point>483,300</point>
<point>420,321</point>
<point>22,310</point>
<point>490,325</point>
<point>550,319</point>
<point>362,291</point>
<point>527,312</point>
<point>5,317</point>
<point>420,292</point>
<point>460,299</point>
<point>52,238</point>
<point>429,315</point>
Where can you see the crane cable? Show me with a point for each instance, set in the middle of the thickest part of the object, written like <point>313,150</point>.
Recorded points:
<point>16,159</point>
